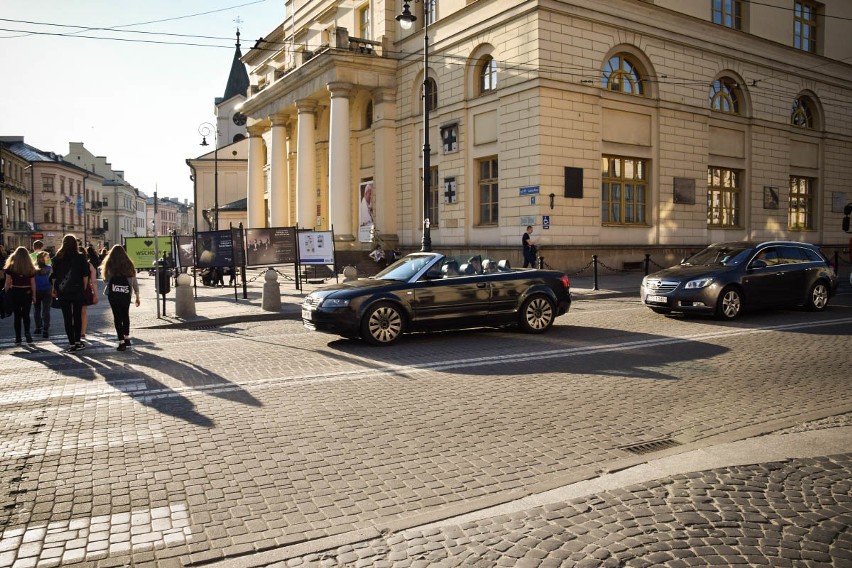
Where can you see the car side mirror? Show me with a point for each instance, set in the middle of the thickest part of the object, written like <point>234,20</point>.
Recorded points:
<point>433,274</point>
<point>758,263</point>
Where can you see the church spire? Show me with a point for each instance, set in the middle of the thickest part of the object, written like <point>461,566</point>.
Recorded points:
<point>238,80</point>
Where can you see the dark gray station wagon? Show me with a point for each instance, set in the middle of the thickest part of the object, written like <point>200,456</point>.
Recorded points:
<point>726,278</point>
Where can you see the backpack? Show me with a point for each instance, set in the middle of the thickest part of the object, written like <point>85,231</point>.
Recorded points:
<point>118,287</point>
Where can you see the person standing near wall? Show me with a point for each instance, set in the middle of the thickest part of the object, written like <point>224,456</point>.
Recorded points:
<point>70,278</point>
<point>120,276</point>
<point>529,248</point>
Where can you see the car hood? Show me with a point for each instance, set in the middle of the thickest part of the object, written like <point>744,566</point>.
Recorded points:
<point>685,271</point>
<point>353,287</point>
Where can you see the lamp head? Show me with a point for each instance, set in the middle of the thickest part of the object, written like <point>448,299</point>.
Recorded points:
<point>406,19</point>
<point>204,141</point>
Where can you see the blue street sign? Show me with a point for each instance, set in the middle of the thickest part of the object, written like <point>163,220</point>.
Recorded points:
<point>529,190</point>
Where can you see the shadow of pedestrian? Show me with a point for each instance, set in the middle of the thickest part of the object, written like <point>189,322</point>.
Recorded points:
<point>161,398</point>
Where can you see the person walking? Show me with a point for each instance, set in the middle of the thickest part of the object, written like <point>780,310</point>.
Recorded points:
<point>41,308</point>
<point>529,247</point>
<point>38,246</point>
<point>70,278</point>
<point>119,273</point>
<point>20,289</point>
<point>90,296</point>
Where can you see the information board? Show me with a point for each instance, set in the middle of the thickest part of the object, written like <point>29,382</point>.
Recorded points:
<point>142,252</point>
<point>215,249</point>
<point>316,247</point>
<point>271,246</point>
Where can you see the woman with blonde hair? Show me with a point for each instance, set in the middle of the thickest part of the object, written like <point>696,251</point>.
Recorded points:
<point>119,273</point>
<point>70,279</point>
<point>20,289</point>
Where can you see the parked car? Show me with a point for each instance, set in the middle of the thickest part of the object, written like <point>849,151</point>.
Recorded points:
<point>726,278</point>
<point>431,291</point>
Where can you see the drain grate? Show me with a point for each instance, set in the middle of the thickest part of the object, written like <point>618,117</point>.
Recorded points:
<point>650,446</point>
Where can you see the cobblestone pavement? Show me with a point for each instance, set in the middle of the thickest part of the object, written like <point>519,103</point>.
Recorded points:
<point>220,444</point>
<point>792,513</point>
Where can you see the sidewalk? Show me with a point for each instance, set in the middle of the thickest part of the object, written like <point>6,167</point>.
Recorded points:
<point>216,306</point>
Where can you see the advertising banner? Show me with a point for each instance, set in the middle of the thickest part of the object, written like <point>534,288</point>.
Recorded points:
<point>366,211</point>
<point>215,249</point>
<point>271,246</point>
<point>316,247</point>
<point>141,249</point>
<point>185,251</point>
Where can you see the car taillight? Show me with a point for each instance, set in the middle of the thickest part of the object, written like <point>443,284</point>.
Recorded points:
<point>565,281</point>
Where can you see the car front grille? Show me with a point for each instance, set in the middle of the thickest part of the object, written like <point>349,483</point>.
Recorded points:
<point>661,286</point>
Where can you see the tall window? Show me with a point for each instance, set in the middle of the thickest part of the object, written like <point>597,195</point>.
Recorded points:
<point>624,191</point>
<point>487,74</point>
<point>62,185</point>
<point>725,96</point>
<point>805,25</point>
<point>432,205</point>
<point>364,22</point>
<point>728,13</point>
<point>620,74</point>
<point>803,114</point>
<point>724,195</point>
<point>49,214</point>
<point>489,192</point>
<point>47,184</point>
<point>431,96</point>
<point>801,204</point>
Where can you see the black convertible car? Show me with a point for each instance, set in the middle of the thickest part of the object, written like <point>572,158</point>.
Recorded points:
<point>431,291</point>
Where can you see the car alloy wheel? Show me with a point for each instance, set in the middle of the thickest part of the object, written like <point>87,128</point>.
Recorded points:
<point>818,297</point>
<point>537,314</point>
<point>730,304</point>
<point>383,324</point>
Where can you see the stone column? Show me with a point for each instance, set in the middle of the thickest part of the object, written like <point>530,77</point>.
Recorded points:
<point>279,195</point>
<point>306,187</point>
<point>256,162</point>
<point>385,194</point>
<point>340,194</point>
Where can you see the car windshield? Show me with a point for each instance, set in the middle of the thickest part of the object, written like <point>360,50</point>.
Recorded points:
<point>719,255</point>
<point>404,268</point>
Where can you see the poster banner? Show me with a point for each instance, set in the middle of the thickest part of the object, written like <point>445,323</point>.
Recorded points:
<point>142,252</point>
<point>366,211</point>
<point>238,246</point>
<point>271,246</point>
<point>316,247</point>
<point>215,249</point>
<point>185,251</point>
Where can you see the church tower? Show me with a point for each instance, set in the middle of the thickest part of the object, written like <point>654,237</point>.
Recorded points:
<point>231,123</point>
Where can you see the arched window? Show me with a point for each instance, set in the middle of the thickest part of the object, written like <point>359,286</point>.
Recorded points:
<point>487,74</point>
<point>725,96</point>
<point>622,75</point>
<point>431,96</point>
<point>803,113</point>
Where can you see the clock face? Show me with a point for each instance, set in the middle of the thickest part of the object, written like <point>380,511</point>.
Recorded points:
<point>239,119</point>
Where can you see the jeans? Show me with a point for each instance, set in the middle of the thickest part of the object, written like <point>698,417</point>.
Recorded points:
<point>41,309</point>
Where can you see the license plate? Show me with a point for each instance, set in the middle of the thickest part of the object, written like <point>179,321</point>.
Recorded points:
<point>306,315</point>
<point>656,299</point>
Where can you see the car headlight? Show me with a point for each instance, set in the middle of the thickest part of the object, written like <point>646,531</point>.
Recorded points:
<point>700,283</point>
<point>335,302</point>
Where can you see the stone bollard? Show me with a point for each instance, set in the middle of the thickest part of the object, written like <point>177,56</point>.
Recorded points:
<point>271,301</point>
<point>184,301</point>
<point>349,274</point>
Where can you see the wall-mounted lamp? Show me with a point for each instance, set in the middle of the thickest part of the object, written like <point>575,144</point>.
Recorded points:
<point>552,195</point>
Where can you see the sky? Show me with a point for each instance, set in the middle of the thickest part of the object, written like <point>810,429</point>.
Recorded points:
<point>136,103</point>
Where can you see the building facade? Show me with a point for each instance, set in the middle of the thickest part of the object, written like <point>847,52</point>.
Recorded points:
<point>16,223</point>
<point>626,126</point>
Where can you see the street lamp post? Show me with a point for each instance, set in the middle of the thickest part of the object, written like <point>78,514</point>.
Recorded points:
<point>406,20</point>
<point>206,129</point>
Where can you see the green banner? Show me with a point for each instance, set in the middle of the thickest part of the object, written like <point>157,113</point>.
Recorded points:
<point>141,249</point>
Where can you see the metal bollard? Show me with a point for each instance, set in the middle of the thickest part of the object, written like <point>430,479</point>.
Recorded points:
<point>647,264</point>
<point>595,267</point>
<point>541,263</point>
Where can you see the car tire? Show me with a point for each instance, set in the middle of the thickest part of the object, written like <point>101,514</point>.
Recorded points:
<point>537,314</point>
<point>383,324</point>
<point>730,304</point>
<point>818,295</point>
<point>661,310</point>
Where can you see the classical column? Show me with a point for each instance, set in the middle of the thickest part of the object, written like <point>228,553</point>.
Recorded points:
<point>306,187</point>
<point>340,194</point>
<point>279,196</point>
<point>256,163</point>
<point>385,194</point>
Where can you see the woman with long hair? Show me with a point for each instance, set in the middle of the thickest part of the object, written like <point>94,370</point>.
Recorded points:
<point>20,289</point>
<point>119,273</point>
<point>70,279</point>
